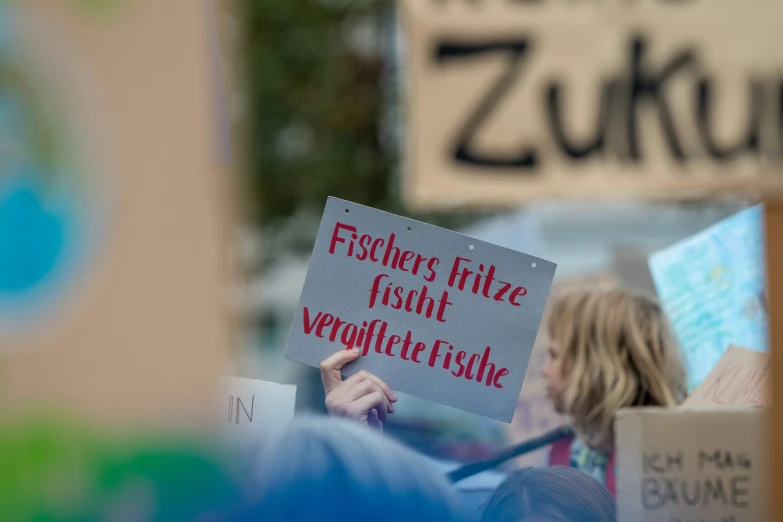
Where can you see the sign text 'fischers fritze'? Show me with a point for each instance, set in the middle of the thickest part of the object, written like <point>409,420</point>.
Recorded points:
<point>434,313</point>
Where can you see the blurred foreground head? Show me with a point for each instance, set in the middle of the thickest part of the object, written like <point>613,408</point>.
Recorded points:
<point>324,469</point>
<point>555,494</point>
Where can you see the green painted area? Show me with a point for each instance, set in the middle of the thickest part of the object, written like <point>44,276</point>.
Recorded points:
<point>57,469</point>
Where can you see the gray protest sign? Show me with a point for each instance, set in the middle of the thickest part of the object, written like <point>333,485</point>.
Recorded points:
<point>435,313</point>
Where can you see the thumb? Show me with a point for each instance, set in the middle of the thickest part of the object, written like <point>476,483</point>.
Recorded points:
<point>331,366</point>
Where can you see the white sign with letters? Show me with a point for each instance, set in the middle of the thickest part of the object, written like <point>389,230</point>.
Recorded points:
<point>253,408</point>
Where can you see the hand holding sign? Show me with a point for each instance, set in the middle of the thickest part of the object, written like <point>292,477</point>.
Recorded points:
<point>362,396</point>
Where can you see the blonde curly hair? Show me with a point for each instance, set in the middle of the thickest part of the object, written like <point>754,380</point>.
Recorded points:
<point>617,351</point>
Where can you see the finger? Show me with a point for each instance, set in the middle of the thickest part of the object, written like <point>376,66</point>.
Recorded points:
<point>360,408</point>
<point>363,388</point>
<point>364,374</point>
<point>331,366</point>
<point>374,422</point>
<point>383,412</point>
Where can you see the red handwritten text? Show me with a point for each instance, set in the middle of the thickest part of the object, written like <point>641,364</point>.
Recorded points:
<point>484,282</point>
<point>738,385</point>
<point>373,334</point>
<point>383,251</point>
<point>396,297</point>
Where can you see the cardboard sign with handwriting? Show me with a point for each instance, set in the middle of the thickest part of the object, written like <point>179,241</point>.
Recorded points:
<point>511,101</point>
<point>254,408</point>
<point>434,313</point>
<point>741,378</point>
<point>688,465</point>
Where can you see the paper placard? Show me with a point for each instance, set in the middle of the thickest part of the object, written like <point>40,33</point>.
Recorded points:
<point>691,466</point>
<point>253,408</point>
<point>512,101</point>
<point>436,314</point>
<point>741,378</point>
<point>711,286</point>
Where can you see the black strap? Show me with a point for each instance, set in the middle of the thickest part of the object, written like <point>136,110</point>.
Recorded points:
<point>474,468</point>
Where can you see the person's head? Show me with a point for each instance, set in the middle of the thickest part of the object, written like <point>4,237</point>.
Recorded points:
<point>554,494</point>
<point>610,349</point>
<point>326,469</point>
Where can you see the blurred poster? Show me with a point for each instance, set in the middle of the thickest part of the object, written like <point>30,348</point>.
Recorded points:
<point>56,170</point>
<point>741,379</point>
<point>712,288</point>
<point>110,211</point>
<point>700,464</point>
<point>509,102</point>
<point>112,330</point>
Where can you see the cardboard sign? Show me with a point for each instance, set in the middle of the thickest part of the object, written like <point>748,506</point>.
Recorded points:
<point>741,378</point>
<point>685,465</point>
<point>515,101</point>
<point>111,294</point>
<point>254,408</point>
<point>711,286</point>
<point>435,314</point>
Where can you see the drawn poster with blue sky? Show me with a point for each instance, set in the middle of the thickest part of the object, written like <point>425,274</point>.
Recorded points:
<point>712,286</point>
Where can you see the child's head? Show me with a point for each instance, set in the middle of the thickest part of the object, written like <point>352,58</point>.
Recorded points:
<point>610,349</point>
<point>328,470</point>
<point>554,494</point>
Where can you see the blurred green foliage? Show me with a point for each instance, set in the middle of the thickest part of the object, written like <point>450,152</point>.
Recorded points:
<point>316,104</point>
<point>322,89</point>
<point>55,468</point>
